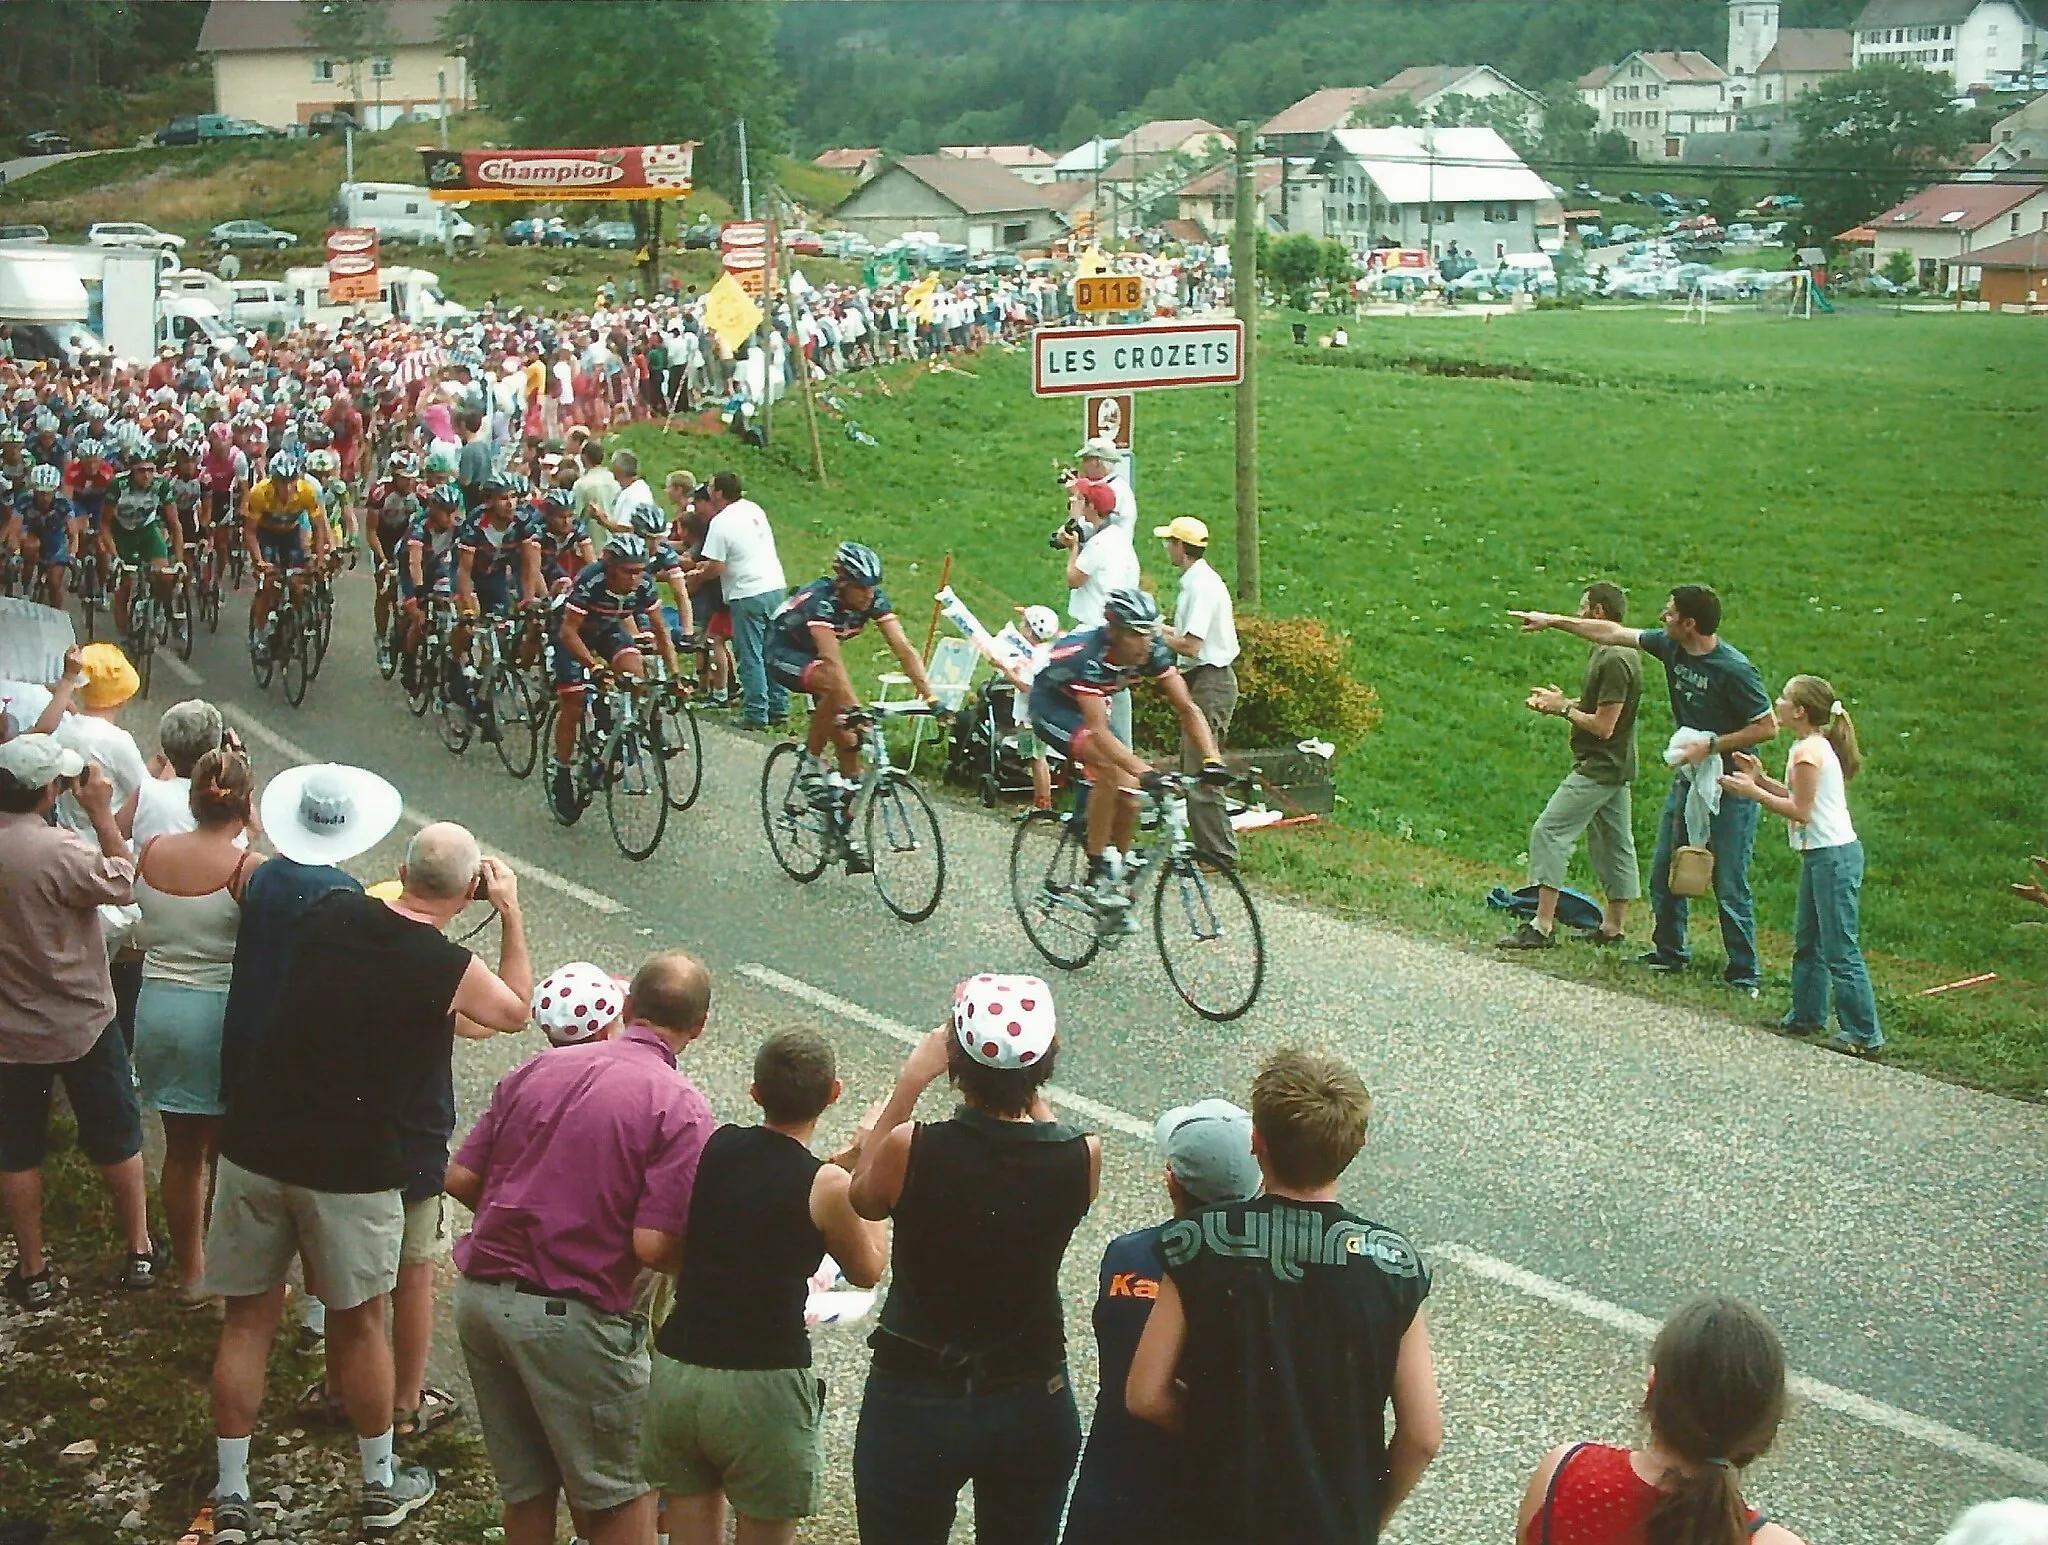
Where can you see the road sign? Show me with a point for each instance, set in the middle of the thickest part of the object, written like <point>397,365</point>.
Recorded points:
<point>1109,292</point>
<point>1147,357</point>
<point>1108,417</point>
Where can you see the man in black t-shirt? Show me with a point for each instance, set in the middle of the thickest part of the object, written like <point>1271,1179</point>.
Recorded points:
<point>313,1146</point>
<point>1284,1327</point>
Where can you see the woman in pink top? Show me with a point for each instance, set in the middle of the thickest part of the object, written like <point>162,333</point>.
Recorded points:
<point>1717,1391</point>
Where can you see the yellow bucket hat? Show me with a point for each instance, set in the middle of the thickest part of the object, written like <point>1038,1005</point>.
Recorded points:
<point>109,679</point>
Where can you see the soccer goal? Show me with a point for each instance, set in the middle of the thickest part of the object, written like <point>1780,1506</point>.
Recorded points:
<point>1793,296</point>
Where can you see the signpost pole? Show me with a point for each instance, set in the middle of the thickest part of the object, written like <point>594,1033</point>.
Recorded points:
<point>803,368</point>
<point>1244,264</point>
<point>767,344</point>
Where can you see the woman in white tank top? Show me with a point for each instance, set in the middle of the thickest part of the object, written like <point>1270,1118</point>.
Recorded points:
<point>189,886</point>
<point>1826,948</point>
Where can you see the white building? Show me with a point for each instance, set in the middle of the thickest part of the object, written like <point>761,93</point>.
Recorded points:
<point>1972,42</point>
<point>1430,188</point>
<point>265,70</point>
<point>1939,227</point>
<point>1654,100</point>
<point>1769,65</point>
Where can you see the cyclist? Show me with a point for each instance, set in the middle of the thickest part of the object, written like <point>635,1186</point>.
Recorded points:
<point>595,634</point>
<point>337,505</point>
<point>14,463</point>
<point>1069,708</point>
<point>557,545</point>
<point>87,475</point>
<point>427,558</point>
<point>143,515</point>
<point>489,560</point>
<point>804,655</point>
<point>664,566</point>
<point>277,527</point>
<point>46,527</point>
<point>225,473</point>
<point>394,504</point>
<point>188,490</point>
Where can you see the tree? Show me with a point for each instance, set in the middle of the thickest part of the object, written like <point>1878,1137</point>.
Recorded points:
<point>1867,139</point>
<point>630,72</point>
<point>1505,113</point>
<point>1392,113</point>
<point>1568,125</point>
<point>1078,127</point>
<point>347,32</point>
<point>1898,266</point>
<point>1293,262</point>
<point>1724,199</point>
<point>1613,148</point>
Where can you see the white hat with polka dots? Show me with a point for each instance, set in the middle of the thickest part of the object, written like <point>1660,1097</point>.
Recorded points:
<point>574,1003</point>
<point>1003,1021</point>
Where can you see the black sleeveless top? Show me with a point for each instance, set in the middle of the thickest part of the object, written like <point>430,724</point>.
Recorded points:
<point>986,1212</point>
<point>747,1255</point>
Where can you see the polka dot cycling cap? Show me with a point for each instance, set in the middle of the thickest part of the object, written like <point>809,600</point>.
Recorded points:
<point>1003,1021</point>
<point>574,1002</point>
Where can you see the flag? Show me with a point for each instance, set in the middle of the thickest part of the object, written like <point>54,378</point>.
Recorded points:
<point>730,312</point>
<point>918,298</point>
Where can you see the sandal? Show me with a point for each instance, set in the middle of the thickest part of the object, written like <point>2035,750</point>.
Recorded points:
<point>436,1407</point>
<point>319,1404</point>
<point>32,1293</point>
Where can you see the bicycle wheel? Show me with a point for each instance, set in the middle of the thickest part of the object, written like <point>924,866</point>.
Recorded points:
<point>209,588</point>
<point>1048,885</point>
<point>262,662</point>
<point>636,792</point>
<point>1208,935</point>
<point>796,832</point>
<point>319,625</point>
<point>519,718</point>
<point>906,848</point>
<point>89,598</point>
<point>425,665</point>
<point>144,625</point>
<point>451,704</point>
<point>294,652</point>
<point>180,618</point>
<point>682,748</point>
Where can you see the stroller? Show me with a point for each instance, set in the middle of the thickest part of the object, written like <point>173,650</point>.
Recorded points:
<point>992,747</point>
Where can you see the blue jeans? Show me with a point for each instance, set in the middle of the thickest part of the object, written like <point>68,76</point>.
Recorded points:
<point>761,699</point>
<point>920,1440</point>
<point>1826,949</point>
<point>1733,835</point>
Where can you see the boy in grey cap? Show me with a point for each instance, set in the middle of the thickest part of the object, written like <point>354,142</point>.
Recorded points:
<point>1126,1467</point>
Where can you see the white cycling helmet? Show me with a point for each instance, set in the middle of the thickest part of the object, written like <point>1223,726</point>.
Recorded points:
<point>323,463</point>
<point>45,478</point>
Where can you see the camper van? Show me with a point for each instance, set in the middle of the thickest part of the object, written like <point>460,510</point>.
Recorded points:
<point>399,211</point>
<point>411,294</point>
<point>42,295</point>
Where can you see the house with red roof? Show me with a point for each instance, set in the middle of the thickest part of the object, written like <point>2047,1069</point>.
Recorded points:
<point>1940,228</point>
<point>1655,100</point>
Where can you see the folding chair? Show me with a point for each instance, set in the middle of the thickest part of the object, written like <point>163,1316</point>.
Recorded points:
<point>951,672</point>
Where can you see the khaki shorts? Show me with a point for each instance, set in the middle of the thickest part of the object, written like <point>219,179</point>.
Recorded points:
<point>350,1239</point>
<point>426,1231</point>
<point>559,1389</point>
<point>757,1434</point>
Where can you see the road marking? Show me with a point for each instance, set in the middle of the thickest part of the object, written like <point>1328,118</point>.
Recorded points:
<point>1874,1413</point>
<point>180,669</point>
<point>547,879</point>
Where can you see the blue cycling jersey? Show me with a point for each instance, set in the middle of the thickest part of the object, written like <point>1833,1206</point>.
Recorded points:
<point>592,603</point>
<point>1079,665</point>
<point>492,551</point>
<point>52,518</point>
<point>819,603</point>
<point>436,549</point>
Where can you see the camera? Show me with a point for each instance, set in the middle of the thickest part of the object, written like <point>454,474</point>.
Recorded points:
<point>483,883</point>
<point>1064,476</point>
<point>1059,537</point>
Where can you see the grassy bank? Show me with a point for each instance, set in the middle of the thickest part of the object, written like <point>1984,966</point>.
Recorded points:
<point>1856,487</point>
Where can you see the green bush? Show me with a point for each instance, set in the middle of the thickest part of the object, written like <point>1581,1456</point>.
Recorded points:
<point>1293,682</point>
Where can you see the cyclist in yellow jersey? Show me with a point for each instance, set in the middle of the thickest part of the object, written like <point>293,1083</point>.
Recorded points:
<point>281,513</point>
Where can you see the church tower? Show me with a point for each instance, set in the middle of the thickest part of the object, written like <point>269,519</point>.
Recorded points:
<point>1752,34</point>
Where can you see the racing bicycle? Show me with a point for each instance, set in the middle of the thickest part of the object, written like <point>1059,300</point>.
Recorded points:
<point>1203,921</point>
<point>283,646</point>
<point>619,755</point>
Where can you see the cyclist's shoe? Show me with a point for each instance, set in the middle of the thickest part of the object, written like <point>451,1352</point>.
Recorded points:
<point>486,724</point>
<point>387,1506</point>
<point>233,1520</point>
<point>858,860</point>
<point>810,777</point>
<point>562,798</point>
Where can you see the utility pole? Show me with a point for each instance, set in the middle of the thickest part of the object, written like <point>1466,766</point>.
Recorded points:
<point>803,365</point>
<point>1429,210</point>
<point>348,152</point>
<point>1244,257</point>
<point>746,183</point>
<point>441,96</point>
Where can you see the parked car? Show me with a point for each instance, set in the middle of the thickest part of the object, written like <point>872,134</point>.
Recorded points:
<point>803,243</point>
<point>994,263</point>
<point>45,142</point>
<point>701,237</point>
<point>613,235</point>
<point>23,235</point>
<point>131,233</point>
<point>1778,203</point>
<point>250,233</point>
<point>1633,197</point>
<point>334,121</point>
<point>196,128</point>
<point>1587,190</point>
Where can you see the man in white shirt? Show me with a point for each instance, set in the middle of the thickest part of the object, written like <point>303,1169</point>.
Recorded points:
<point>633,490</point>
<point>1100,559</point>
<point>739,552</point>
<point>1102,461</point>
<point>1204,635</point>
<point>597,491</point>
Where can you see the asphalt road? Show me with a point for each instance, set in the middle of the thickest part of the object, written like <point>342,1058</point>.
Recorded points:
<point>1570,1161</point>
<point>22,166</point>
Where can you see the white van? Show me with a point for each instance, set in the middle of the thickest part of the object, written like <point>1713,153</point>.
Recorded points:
<point>399,211</point>
<point>258,303</point>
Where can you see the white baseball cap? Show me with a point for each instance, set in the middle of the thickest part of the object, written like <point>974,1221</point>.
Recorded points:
<point>37,761</point>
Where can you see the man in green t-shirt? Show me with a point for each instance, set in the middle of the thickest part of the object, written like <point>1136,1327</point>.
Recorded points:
<point>1594,797</point>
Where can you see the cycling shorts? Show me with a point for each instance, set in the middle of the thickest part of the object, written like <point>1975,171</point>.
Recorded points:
<point>493,593</point>
<point>89,506</point>
<point>53,543</point>
<point>604,639</point>
<point>433,577</point>
<point>790,668</point>
<point>144,545</point>
<point>1056,719</point>
<point>284,549</point>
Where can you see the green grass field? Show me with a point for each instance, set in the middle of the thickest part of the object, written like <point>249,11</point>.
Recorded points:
<point>1863,491</point>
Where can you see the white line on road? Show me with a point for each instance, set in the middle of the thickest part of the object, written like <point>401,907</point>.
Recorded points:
<point>179,669</point>
<point>1874,1413</point>
<point>258,731</point>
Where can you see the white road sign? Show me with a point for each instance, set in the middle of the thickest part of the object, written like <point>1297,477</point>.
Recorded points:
<point>1148,357</point>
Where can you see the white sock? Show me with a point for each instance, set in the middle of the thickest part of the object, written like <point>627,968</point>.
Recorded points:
<point>313,1315</point>
<point>376,1453</point>
<point>234,1467</point>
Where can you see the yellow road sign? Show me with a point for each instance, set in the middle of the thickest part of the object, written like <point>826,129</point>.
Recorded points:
<point>1109,292</point>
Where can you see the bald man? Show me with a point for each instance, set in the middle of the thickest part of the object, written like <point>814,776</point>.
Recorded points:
<point>580,1175</point>
<point>348,1098</point>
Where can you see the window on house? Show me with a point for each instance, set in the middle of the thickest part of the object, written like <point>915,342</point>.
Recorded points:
<point>1769,91</point>
<point>380,69</point>
<point>1672,150</point>
<point>1652,117</point>
<point>1948,56</point>
<point>1653,93</point>
<point>323,69</point>
<point>2015,225</point>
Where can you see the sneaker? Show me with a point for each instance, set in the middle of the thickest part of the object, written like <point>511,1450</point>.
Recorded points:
<point>1601,938</point>
<point>1851,1048</point>
<point>1527,937</point>
<point>1744,989</point>
<point>38,1292</point>
<point>234,1521</point>
<point>1660,963</point>
<point>144,1269</point>
<point>386,1507</point>
<point>857,860</point>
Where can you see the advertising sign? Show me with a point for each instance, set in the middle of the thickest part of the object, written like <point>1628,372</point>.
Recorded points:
<point>1149,357</point>
<point>352,265</point>
<point>743,247</point>
<point>1108,417</point>
<point>552,176</point>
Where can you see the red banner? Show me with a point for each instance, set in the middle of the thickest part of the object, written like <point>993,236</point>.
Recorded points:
<point>352,265</point>
<point>551,176</point>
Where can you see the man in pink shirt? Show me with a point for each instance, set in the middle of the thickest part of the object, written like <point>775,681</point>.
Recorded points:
<point>580,1174</point>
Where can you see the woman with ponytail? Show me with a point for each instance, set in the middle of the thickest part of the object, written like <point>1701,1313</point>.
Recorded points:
<point>1814,799</point>
<point>189,886</point>
<point>1717,1391</point>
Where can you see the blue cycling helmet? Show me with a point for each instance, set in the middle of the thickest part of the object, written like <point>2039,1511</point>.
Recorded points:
<point>563,499</point>
<point>445,496</point>
<point>284,466</point>
<point>1132,610</point>
<point>648,520</point>
<point>858,564</point>
<point>625,548</point>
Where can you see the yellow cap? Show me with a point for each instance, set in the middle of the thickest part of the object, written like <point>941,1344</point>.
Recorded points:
<point>1184,528</point>
<point>109,679</point>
